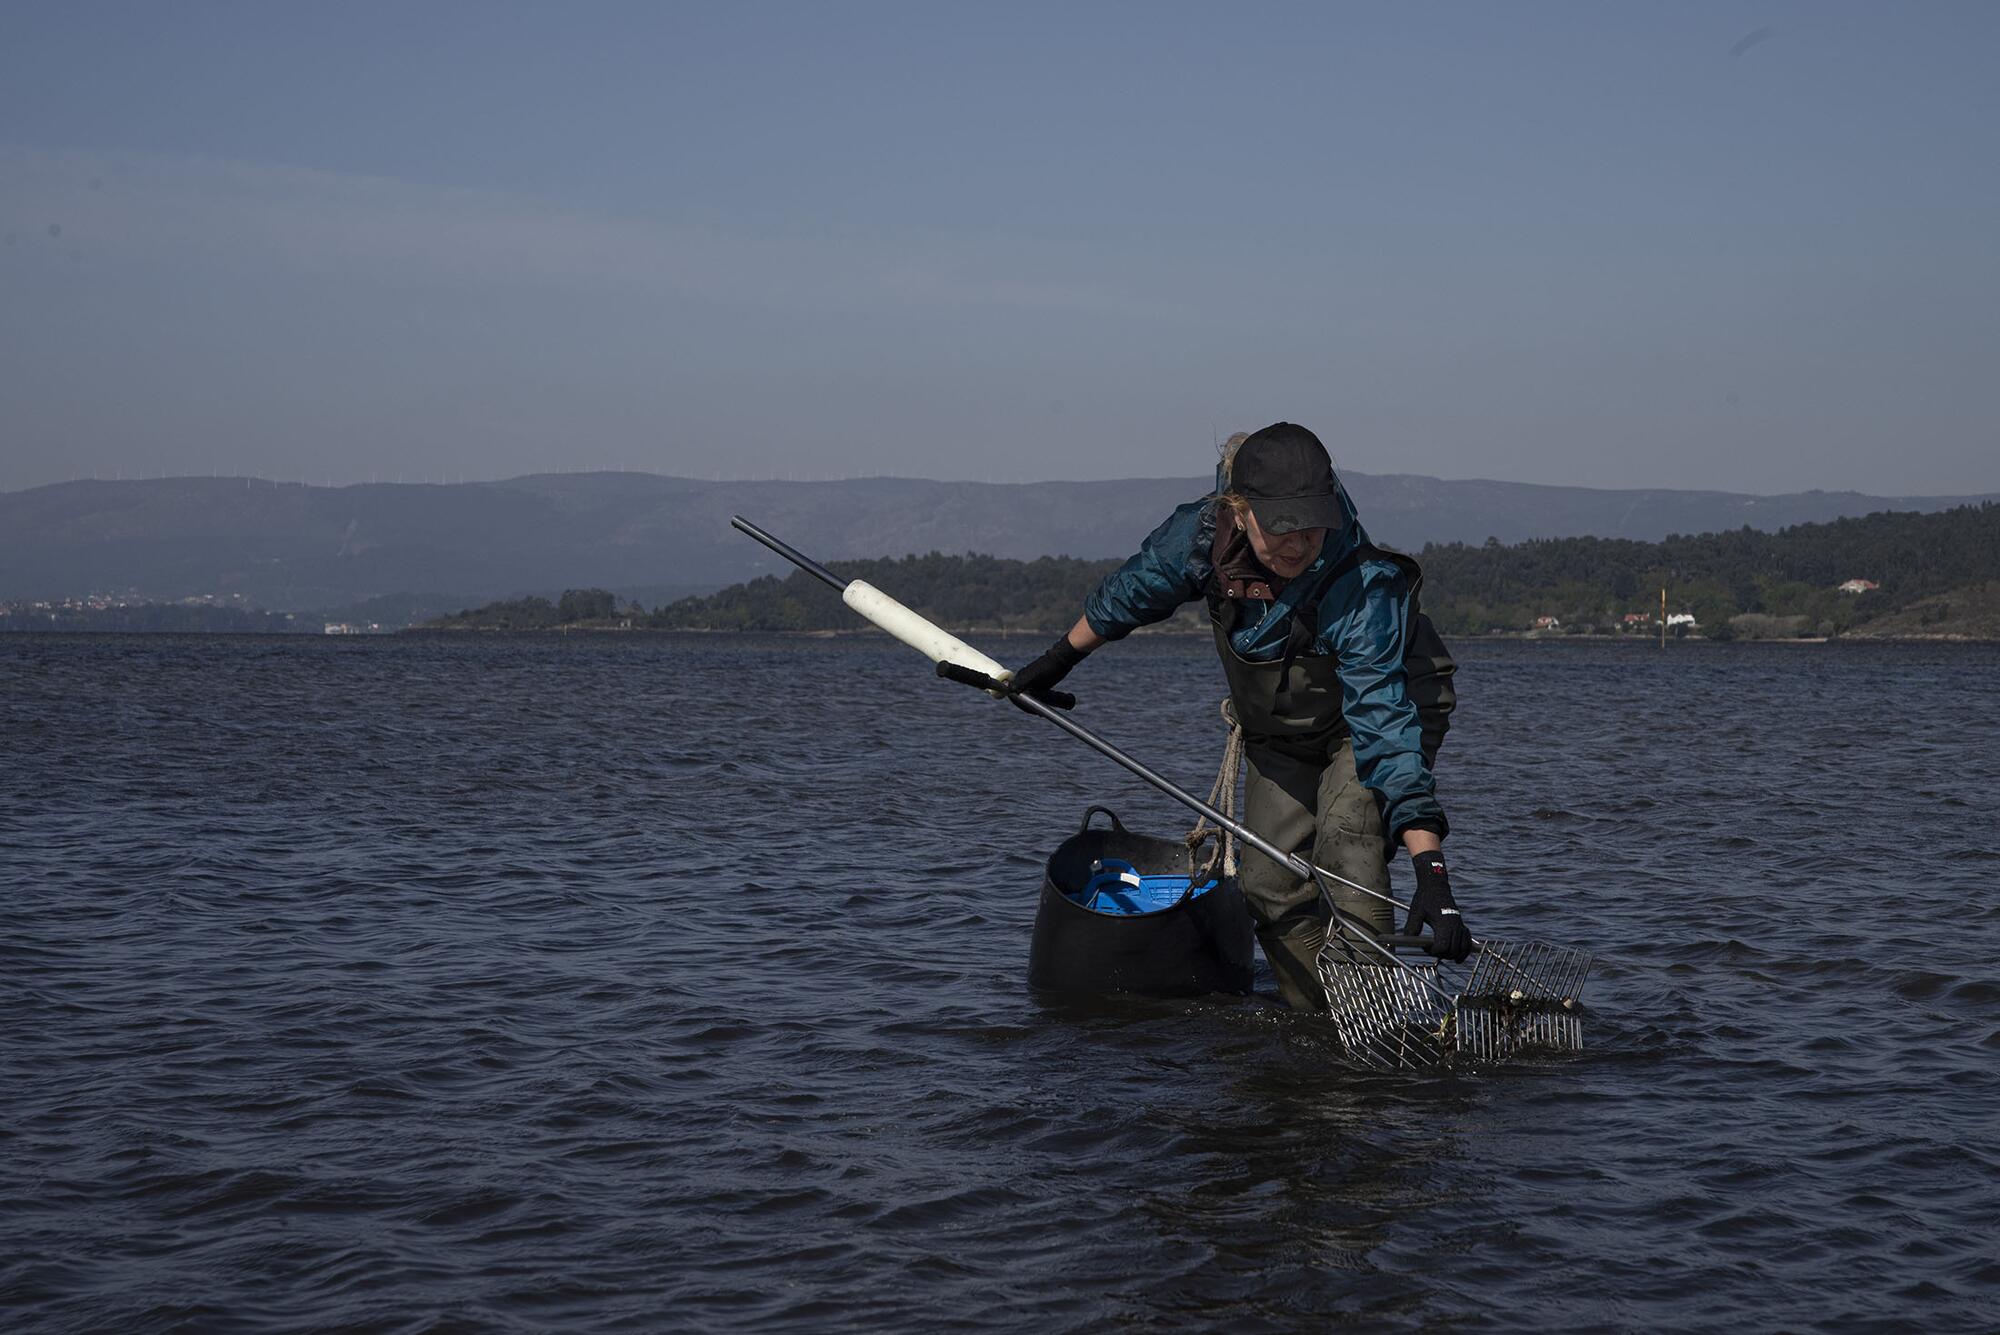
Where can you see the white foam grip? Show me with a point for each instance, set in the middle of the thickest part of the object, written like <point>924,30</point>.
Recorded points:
<point>940,646</point>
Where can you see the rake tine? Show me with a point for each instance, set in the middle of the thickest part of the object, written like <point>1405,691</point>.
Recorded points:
<point>1388,1018</point>
<point>1366,934</point>
<point>1485,948</point>
<point>1559,972</point>
<point>1498,1022</point>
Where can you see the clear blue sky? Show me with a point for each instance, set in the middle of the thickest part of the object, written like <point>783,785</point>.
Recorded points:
<point>1745,246</point>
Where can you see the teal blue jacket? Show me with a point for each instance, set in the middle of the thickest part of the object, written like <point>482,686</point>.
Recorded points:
<point>1362,610</point>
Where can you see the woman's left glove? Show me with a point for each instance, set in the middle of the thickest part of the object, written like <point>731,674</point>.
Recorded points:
<point>1043,674</point>
<point>1433,904</point>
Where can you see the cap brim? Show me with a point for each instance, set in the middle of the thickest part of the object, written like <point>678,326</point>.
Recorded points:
<point>1288,514</point>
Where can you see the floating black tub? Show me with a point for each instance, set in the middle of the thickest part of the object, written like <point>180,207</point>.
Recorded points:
<point>1117,915</point>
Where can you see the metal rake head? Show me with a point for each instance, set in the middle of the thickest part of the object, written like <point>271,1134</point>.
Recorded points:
<point>1389,1016</point>
<point>1392,1013</point>
<point>1522,994</point>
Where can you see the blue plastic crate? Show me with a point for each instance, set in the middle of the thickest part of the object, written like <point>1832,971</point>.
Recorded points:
<point>1111,889</point>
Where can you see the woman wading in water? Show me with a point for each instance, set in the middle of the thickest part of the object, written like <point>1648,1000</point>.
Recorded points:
<point>1341,685</point>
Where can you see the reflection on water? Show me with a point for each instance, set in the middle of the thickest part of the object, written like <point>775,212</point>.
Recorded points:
<point>677,982</point>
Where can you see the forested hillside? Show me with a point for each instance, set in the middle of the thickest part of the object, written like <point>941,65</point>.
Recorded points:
<point>1737,583</point>
<point>981,591</point>
<point>1793,573</point>
<point>285,546</point>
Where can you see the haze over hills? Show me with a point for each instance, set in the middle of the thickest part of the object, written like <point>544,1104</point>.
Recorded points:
<point>290,546</point>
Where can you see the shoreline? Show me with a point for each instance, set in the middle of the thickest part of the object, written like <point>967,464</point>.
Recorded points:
<point>1510,637</point>
<point>1014,632</point>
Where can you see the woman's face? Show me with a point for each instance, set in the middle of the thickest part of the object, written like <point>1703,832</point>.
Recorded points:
<point>1285,555</point>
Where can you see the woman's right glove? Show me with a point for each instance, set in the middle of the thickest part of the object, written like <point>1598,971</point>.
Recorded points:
<point>1043,674</point>
<point>1433,904</point>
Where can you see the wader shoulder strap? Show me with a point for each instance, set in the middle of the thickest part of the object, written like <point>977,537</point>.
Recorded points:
<point>1296,695</point>
<point>1225,611</point>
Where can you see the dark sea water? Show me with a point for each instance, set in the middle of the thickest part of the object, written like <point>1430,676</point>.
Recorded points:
<point>676,983</point>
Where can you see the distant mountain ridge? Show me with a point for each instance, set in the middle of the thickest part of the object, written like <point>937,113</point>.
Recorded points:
<point>291,546</point>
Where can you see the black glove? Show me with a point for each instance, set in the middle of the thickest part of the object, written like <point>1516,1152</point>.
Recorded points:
<point>1432,903</point>
<point>1043,674</point>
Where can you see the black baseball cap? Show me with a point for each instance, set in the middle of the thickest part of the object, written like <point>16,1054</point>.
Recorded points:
<point>1287,476</point>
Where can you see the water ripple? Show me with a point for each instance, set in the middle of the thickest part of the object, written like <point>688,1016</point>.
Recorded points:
<point>676,983</point>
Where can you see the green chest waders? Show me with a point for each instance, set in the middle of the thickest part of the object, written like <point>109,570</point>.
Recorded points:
<point>1303,793</point>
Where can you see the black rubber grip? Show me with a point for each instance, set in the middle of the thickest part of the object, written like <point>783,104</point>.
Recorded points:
<point>973,677</point>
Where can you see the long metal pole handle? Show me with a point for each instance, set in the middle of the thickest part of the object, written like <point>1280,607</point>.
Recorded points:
<point>790,553</point>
